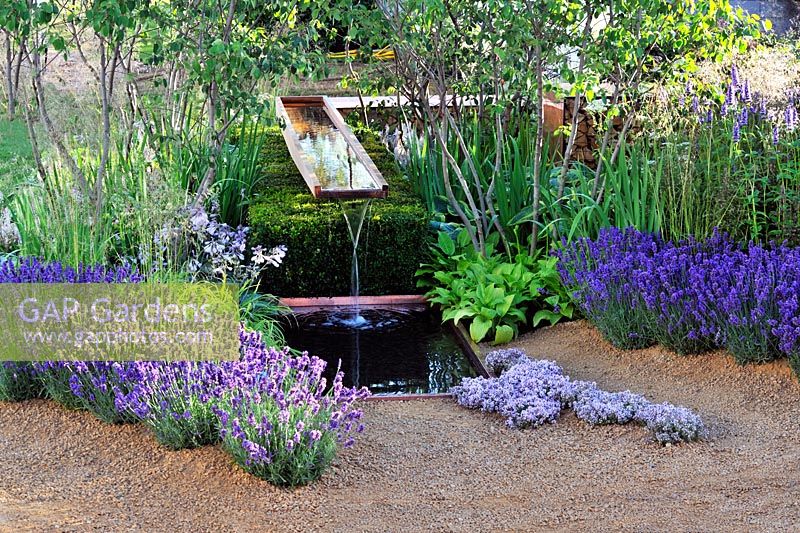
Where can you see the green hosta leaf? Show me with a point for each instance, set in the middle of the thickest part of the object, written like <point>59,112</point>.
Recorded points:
<point>445,278</point>
<point>479,328</point>
<point>546,314</point>
<point>457,314</point>
<point>446,243</point>
<point>503,334</point>
<point>503,308</point>
<point>515,313</point>
<point>552,300</point>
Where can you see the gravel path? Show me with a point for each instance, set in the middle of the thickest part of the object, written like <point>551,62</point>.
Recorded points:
<point>429,465</point>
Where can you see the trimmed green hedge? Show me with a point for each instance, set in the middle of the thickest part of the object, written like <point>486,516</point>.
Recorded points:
<point>394,241</point>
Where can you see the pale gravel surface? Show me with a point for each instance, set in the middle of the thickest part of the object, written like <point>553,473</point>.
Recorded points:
<point>429,465</point>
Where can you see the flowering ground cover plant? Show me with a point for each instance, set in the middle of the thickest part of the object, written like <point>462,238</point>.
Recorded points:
<point>531,393</point>
<point>689,296</point>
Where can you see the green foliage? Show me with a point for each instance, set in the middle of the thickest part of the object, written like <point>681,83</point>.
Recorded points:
<point>262,312</point>
<point>18,382</point>
<point>57,224</point>
<point>394,239</point>
<point>631,197</point>
<point>55,382</point>
<point>14,142</point>
<point>512,181</point>
<point>497,296</point>
<point>513,52</point>
<point>238,172</point>
<point>749,187</point>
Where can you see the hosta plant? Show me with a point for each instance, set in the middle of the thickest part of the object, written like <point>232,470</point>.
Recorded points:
<point>494,293</point>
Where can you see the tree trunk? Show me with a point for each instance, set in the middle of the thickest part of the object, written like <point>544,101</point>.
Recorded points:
<point>10,87</point>
<point>52,131</point>
<point>214,144</point>
<point>573,133</point>
<point>106,79</point>
<point>537,157</point>
<point>37,154</point>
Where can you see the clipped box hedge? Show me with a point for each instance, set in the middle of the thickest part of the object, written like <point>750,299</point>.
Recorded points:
<point>394,240</point>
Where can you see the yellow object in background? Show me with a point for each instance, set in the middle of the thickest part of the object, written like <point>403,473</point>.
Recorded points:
<point>382,54</point>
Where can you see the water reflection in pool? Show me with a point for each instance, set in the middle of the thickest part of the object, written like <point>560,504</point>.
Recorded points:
<point>402,351</point>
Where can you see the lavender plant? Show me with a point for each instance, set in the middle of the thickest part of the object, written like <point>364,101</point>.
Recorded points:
<point>596,275</point>
<point>531,393</point>
<point>177,401</point>
<point>286,426</point>
<point>672,285</point>
<point>102,388</point>
<point>56,378</point>
<point>18,381</point>
<point>174,400</point>
<point>696,295</point>
<point>743,298</point>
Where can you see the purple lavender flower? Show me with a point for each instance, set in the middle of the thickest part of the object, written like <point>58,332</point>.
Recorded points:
<point>730,95</point>
<point>279,419</point>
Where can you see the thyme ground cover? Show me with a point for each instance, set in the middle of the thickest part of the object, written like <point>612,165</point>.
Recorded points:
<point>530,393</point>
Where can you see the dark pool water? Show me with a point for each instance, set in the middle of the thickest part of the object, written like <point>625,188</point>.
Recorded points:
<point>390,351</point>
<point>326,151</point>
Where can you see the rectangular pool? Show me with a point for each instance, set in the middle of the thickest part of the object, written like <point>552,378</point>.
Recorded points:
<point>392,351</point>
